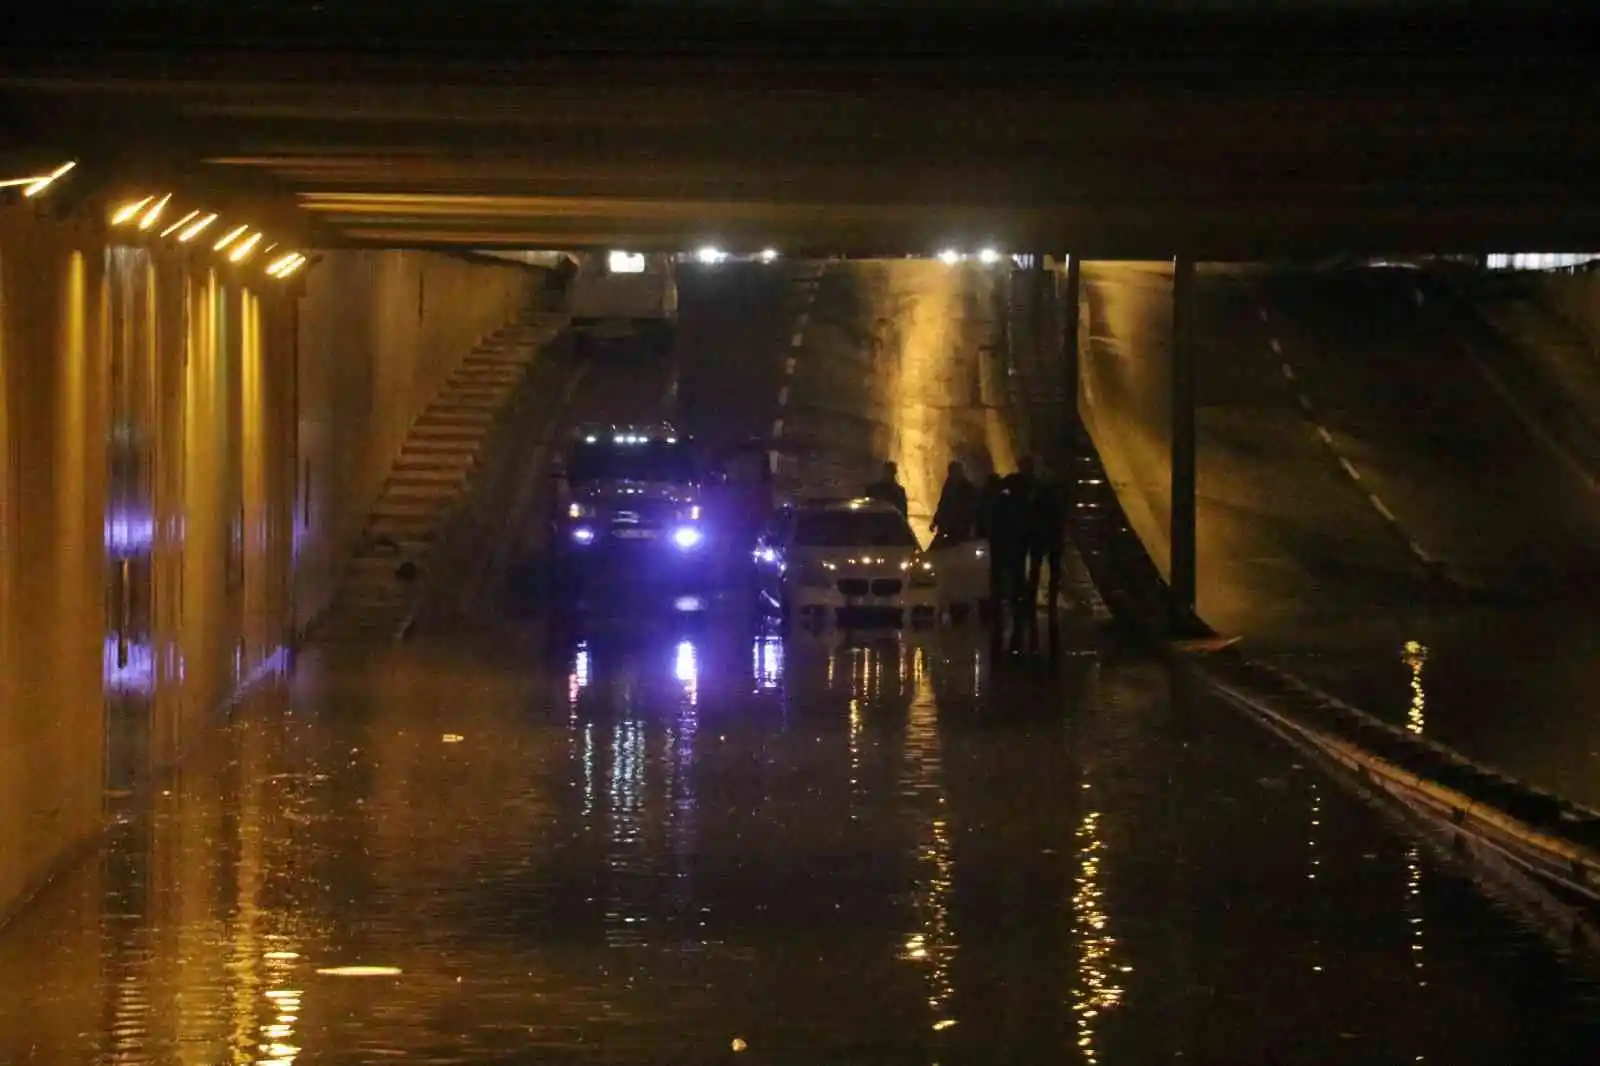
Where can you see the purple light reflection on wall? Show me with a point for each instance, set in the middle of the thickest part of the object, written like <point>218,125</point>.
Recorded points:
<point>137,676</point>
<point>129,533</point>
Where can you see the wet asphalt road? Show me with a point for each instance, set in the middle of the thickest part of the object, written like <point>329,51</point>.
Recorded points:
<point>1459,603</point>
<point>694,839</point>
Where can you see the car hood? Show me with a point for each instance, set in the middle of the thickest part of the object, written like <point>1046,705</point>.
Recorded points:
<point>856,560</point>
<point>620,492</point>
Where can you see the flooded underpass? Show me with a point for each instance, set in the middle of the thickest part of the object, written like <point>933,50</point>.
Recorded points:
<point>698,838</point>
<point>689,843</point>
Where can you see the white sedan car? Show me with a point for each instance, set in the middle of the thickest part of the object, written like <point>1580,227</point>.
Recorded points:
<point>963,569</point>
<point>839,558</point>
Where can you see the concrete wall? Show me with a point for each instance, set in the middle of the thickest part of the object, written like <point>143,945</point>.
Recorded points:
<point>1576,298</point>
<point>52,601</point>
<point>379,334</point>
<point>184,447</point>
<point>147,486</point>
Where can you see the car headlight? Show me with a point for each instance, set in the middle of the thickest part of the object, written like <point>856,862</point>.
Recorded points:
<point>816,576</point>
<point>920,573</point>
<point>687,538</point>
<point>578,510</point>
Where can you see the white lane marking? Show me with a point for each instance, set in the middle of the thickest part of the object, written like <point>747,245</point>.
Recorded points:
<point>1264,316</point>
<point>777,428</point>
<point>800,323</point>
<point>797,340</point>
<point>1355,475</point>
<point>1416,549</point>
<point>1305,403</point>
<point>1379,506</point>
<point>1288,372</point>
<point>783,396</point>
<point>789,365</point>
<point>1327,438</point>
<point>1277,349</point>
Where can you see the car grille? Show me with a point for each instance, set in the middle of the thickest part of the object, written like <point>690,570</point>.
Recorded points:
<point>860,586</point>
<point>644,513</point>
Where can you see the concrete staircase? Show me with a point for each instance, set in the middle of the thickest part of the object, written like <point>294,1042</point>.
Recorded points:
<point>429,480</point>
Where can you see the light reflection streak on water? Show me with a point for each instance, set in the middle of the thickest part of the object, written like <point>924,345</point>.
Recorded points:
<point>626,842</point>
<point>242,930</point>
<point>767,663</point>
<point>681,786</point>
<point>1314,863</point>
<point>277,1036</point>
<point>1414,912</point>
<point>1098,988</point>
<point>933,942</point>
<point>1414,655</point>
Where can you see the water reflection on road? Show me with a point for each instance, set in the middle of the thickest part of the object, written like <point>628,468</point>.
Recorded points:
<point>678,845</point>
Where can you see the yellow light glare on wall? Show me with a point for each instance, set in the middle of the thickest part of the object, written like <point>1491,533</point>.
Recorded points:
<point>228,238</point>
<point>239,253</point>
<point>197,228</point>
<point>43,183</point>
<point>184,221</point>
<point>128,211</point>
<point>149,218</point>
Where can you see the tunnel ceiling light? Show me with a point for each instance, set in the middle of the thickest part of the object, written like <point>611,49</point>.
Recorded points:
<point>197,228</point>
<point>285,265</point>
<point>711,255</point>
<point>43,182</point>
<point>149,218</point>
<point>989,257</point>
<point>625,263</point>
<point>769,254</point>
<point>182,222</point>
<point>228,238</point>
<point>242,252</point>
<point>127,211</point>
<point>950,256</point>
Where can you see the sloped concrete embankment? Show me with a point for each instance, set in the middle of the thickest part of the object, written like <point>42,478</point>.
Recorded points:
<point>1545,843</point>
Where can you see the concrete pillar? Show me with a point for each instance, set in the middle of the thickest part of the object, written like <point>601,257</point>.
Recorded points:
<point>1182,579</point>
<point>53,375</point>
<point>1071,360</point>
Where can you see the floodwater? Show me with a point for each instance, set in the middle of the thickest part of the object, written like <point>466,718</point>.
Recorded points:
<point>704,841</point>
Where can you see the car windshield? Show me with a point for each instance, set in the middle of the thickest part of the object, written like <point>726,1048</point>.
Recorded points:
<point>653,461</point>
<point>853,529</point>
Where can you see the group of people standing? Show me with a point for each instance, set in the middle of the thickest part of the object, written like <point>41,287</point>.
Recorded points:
<point>1022,515</point>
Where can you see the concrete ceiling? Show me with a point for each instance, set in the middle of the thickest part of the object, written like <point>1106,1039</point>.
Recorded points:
<point>1235,157</point>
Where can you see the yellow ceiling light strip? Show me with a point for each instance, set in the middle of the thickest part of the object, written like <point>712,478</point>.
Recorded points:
<point>240,243</point>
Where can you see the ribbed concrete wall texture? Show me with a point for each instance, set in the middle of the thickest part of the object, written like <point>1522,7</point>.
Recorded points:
<point>186,456</point>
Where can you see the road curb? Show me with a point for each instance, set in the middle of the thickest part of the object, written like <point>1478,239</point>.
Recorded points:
<point>1550,838</point>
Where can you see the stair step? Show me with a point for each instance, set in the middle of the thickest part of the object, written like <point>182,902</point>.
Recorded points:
<point>441,448</point>
<point>473,403</point>
<point>411,506</point>
<point>456,416</point>
<point>457,464</point>
<point>448,432</point>
<point>452,477</point>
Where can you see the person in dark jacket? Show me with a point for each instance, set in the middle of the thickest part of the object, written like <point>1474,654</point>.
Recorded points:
<point>955,520</point>
<point>1008,525</point>
<point>1047,523</point>
<point>887,489</point>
